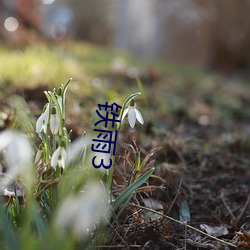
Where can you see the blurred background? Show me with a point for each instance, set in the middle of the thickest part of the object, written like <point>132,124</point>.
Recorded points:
<point>193,60</point>
<point>211,34</point>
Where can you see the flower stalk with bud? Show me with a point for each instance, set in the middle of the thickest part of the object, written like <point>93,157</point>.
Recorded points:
<point>54,136</point>
<point>123,113</point>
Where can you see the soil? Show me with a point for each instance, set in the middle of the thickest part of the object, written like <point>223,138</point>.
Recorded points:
<point>202,168</point>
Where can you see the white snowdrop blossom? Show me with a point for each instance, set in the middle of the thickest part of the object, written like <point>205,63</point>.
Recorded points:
<point>54,121</point>
<point>79,214</point>
<point>59,157</point>
<point>17,152</point>
<point>133,114</point>
<point>78,148</point>
<point>42,122</point>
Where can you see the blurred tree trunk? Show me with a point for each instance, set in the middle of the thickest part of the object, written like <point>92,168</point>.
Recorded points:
<point>211,33</point>
<point>29,17</point>
<point>92,20</point>
<point>29,14</point>
<point>229,35</point>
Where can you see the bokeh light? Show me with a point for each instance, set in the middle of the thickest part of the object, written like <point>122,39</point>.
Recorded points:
<point>58,31</point>
<point>11,24</point>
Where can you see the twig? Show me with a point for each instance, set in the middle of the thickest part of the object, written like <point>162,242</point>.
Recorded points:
<point>227,207</point>
<point>48,185</point>
<point>175,198</point>
<point>116,246</point>
<point>184,224</point>
<point>57,180</point>
<point>239,217</point>
<point>185,242</point>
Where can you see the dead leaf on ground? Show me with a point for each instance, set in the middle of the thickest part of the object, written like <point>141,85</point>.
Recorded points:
<point>215,231</point>
<point>245,236</point>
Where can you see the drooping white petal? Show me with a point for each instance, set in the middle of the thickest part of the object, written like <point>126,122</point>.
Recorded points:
<point>46,112</point>
<point>44,127</point>
<point>64,154</point>
<point>78,148</point>
<point>133,114</point>
<point>79,214</point>
<point>42,121</point>
<point>19,151</point>
<point>124,113</point>
<point>55,156</point>
<point>39,123</point>
<point>67,213</point>
<point>132,117</point>
<point>54,124</point>
<point>139,116</point>
<point>18,156</point>
<point>62,161</point>
<point>5,139</point>
<point>59,157</point>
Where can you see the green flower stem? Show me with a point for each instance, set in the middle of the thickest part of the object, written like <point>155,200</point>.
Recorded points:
<point>65,87</point>
<point>54,142</point>
<point>47,137</point>
<point>61,114</point>
<point>66,137</point>
<point>53,97</point>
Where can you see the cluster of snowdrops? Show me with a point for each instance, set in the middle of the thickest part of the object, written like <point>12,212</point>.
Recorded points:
<point>63,195</point>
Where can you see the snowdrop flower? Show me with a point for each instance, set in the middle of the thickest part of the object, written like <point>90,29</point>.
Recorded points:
<point>59,157</point>
<point>17,152</point>
<point>79,214</point>
<point>78,148</point>
<point>54,121</point>
<point>133,114</point>
<point>42,122</point>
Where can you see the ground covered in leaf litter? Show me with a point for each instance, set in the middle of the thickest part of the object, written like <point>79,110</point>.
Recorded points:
<point>197,136</point>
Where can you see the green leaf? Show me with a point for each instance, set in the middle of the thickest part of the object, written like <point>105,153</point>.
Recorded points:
<point>65,87</point>
<point>128,191</point>
<point>185,212</point>
<point>39,222</point>
<point>10,236</point>
<point>138,163</point>
<point>122,209</point>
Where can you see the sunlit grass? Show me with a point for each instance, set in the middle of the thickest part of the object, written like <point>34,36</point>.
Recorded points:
<point>51,64</point>
<point>90,66</point>
<point>37,65</point>
<point>43,64</point>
